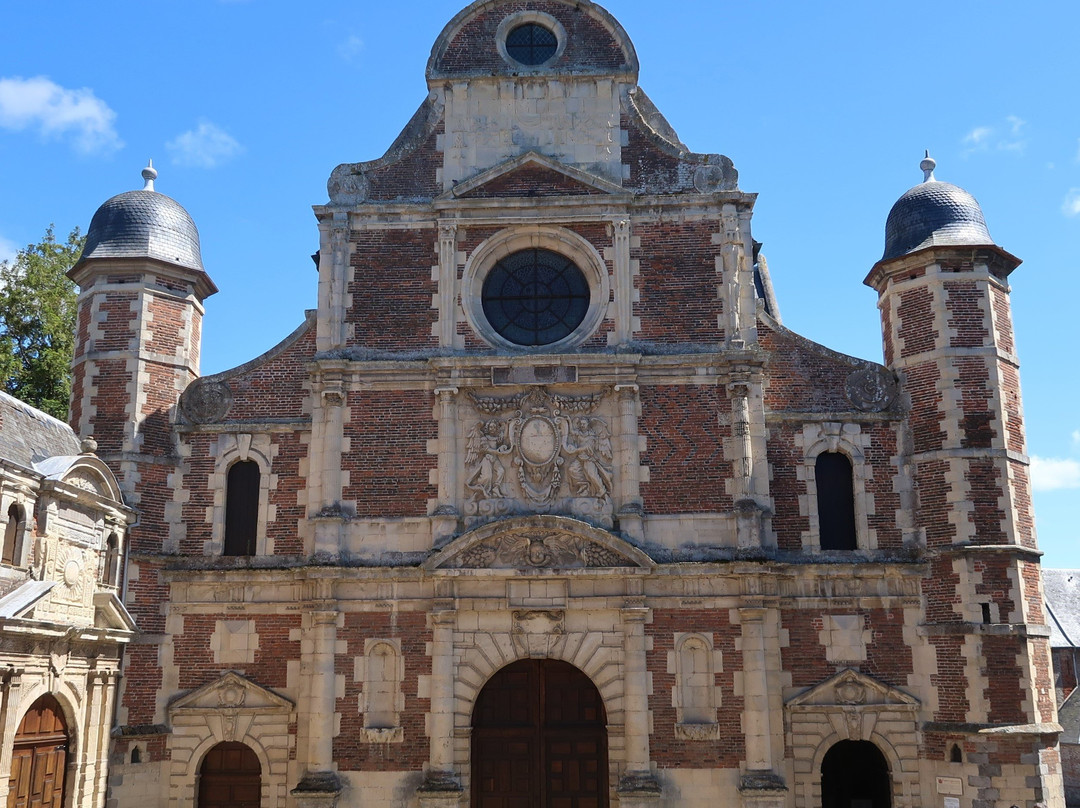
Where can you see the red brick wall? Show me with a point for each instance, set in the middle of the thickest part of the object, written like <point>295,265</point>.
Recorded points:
<point>392,289</point>
<point>388,462</point>
<point>667,750</point>
<point>687,469</point>
<point>351,751</point>
<point>588,43</point>
<point>677,282</point>
<point>194,659</point>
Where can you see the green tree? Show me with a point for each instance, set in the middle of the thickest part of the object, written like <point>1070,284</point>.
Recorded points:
<point>37,322</point>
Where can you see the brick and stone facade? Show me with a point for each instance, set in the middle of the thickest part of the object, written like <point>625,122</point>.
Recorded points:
<point>648,496</point>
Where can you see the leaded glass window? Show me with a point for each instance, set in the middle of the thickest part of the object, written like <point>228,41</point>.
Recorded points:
<point>535,297</point>
<point>531,44</point>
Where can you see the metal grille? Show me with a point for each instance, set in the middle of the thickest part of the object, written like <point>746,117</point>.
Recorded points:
<point>535,297</point>
<point>531,44</point>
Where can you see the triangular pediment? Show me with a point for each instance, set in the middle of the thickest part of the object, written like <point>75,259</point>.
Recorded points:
<point>110,612</point>
<point>532,175</point>
<point>850,688</point>
<point>540,543</point>
<point>231,692</point>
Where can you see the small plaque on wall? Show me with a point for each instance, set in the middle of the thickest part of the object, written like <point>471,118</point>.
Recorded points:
<point>950,785</point>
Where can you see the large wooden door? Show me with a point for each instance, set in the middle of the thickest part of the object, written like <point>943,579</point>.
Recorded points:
<point>539,739</point>
<point>230,777</point>
<point>38,757</point>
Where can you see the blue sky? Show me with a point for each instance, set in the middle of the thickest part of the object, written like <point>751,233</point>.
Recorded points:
<point>246,107</point>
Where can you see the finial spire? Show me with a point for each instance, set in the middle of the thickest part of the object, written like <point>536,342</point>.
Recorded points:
<point>928,165</point>
<point>149,174</point>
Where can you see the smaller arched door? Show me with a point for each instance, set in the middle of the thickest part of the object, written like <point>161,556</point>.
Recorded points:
<point>39,757</point>
<point>854,774</point>
<point>230,776</point>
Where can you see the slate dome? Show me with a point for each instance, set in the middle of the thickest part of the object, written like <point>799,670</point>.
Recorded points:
<point>934,214</point>
<point>144,224</point>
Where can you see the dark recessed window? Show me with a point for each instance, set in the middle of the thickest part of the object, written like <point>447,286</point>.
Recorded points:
<point>531,44</point>
<point>241,508</point>
<point>535,297</point>
<point>835,501</point>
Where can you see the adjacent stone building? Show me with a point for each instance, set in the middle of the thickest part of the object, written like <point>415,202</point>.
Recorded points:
<point>543,506</point>
<point>62,626</point>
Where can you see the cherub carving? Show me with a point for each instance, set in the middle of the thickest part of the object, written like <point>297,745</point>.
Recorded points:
<point>588,444</point>
<point>487,445</point>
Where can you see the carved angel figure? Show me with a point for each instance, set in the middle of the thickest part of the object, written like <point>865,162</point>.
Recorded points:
<point>588,444</point>
<point>487,445</point>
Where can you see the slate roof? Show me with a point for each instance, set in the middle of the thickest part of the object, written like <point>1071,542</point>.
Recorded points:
<point>1062,591</point>
<point>934,214</point>
<point>144,224</point>
<point>29,436</point>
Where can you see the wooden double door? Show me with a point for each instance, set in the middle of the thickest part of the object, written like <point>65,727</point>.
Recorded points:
<point>539,739</point>
<point>230,777</point>
<point>39,757</point>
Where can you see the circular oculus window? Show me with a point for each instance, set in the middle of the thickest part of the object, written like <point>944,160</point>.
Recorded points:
<point>531,44</point>
<point>535,297</point>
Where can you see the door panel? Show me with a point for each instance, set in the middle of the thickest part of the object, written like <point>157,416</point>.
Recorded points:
<point>539,739</point>
<point>38,757</point>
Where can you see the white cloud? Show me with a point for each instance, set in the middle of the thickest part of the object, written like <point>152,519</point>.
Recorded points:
<point>1071,205</point>
<point>1007,136</point>
<point>978,137</point>
<point>1076,437</point>
<point>351,47</point>
<point>55,111</point>
<point>206,146</point>
<point>1054,473</point>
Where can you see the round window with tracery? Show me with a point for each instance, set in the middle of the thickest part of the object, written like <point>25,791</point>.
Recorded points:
<point>531,44</point>
<point>535,297</point>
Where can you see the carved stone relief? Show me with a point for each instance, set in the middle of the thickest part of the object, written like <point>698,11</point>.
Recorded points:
<point>871,389</point>
<point>539,452</point>
<point>205,402</point>
<point>536,547</point>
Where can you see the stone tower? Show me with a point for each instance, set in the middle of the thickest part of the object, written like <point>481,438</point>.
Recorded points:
<point>944,299</point>
<point>141,287</point>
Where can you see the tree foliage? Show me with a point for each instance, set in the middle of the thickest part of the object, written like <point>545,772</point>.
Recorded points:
<point>37,322</point>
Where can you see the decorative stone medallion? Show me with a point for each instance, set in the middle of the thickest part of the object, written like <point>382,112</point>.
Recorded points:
<point>871,389</point>
<point>348,185</point>
<point>206,402</point>
<point>708,179</point>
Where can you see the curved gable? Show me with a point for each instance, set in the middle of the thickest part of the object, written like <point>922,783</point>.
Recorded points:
<point>538,542</point>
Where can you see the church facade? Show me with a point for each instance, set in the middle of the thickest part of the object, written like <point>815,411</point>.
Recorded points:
<point>543,505</point>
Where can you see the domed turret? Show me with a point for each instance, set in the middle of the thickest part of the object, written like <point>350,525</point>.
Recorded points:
<point>144,224</point>
<point>934,214</point>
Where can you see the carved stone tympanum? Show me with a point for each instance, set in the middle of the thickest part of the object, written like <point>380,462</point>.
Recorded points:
<point>537,547</point>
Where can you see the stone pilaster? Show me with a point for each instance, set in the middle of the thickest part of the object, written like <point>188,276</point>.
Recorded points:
<point>446,514</point>
<point>638,787</point>
<point>628,504</point>
<point>448,285</point>
<point>320,785</point>
<point>441,788</point>
<point>333,281</point>
<point>624,285</point>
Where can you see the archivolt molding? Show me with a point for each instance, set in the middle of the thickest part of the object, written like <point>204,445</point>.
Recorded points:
<point>538,543</point>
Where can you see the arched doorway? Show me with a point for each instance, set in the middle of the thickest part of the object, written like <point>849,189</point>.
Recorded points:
<point>38,757</point>
<point>230,777</point>
<point>539,739</point>
<point>854,774</point>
